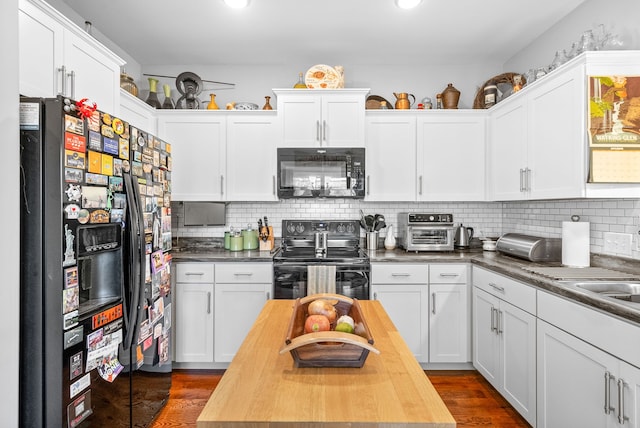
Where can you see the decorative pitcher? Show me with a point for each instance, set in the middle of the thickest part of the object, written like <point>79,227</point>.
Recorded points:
<point>402,100</point>
<point>450,96</point>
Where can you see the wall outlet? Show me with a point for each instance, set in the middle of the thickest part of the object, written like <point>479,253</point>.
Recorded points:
<point>618,243</point>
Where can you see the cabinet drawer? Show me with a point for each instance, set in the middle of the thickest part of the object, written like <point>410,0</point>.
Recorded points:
<point>194,272</point>
<point>448,273</point>
<point>514,292</point>
<point>243,273</point>
<point>399,273</point>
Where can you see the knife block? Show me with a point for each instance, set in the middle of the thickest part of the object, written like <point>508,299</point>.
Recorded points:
<point>270,242</point>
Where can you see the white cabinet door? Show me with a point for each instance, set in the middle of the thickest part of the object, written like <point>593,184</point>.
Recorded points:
<point>573,390</point>
<point>194,322</point>
<point>198,142</point>
<point>507,150</point>
<point>331,119</point>
<point>137,112</point>
<point>236,308</point>
<point>41,42</point>
<point>251,157</point>
<point>557,146</point>
<point>407,305</point>
<point>449,323</point>
<point>486,351</point>
<point>629,396</point>
<point>391,157</point>
<point>517,331</point>
<point>451,157</point>
<point>93,74</point>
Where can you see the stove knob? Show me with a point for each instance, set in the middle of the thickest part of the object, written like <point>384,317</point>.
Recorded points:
<point>300,228</point>
<point>351,228</point>
<point>291,228</point>
<point>340,228</point>
<point>432,218</point>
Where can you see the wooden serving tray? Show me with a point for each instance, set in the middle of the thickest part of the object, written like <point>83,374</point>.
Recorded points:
<point>328,348</point>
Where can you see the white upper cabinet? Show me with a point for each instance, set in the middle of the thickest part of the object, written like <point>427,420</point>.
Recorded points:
<point>56,57</point>
<point>198,144</point>
<point>451,156</point>
<point>251,156</point>
<point>321,117</point>
<point>137,112</point>
<point>390,156</point>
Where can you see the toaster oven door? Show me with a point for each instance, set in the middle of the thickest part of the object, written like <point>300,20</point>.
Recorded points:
<point>430,238</point>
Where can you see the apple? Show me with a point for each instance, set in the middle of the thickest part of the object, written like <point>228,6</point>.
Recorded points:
<point>316,323</point>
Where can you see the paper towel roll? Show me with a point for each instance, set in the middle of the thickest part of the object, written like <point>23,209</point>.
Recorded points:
<point>575,243</point>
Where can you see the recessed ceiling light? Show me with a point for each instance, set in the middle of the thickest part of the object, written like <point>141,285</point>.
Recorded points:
<point>407,4</point>
<point>237,4</point>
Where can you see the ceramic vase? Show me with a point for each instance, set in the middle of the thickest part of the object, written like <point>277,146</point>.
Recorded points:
<point>212,104</point>
<point>168,102</point>
<point>450,97</point>
<point>267,106</point>
<point>152,98</point>
<point>390,240</point>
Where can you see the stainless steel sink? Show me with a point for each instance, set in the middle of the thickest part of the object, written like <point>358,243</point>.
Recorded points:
<point>622,290</point>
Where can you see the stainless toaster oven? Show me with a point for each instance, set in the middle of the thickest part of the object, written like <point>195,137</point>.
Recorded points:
<point>425,232</point>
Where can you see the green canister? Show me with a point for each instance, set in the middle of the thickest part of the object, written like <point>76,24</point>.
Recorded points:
<point>227,240</point>
<point>236,243</point>
<point>250,237</point>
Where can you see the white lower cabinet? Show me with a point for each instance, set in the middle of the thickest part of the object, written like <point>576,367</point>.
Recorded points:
<point>579,384</point>
<point>193,305</point>
<point>241,290</point>
<point>504,338</point>
<point>433,319</point>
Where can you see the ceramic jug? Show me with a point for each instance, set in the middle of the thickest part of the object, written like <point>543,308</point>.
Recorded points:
<point>450,97</point>
<point>402,100</point>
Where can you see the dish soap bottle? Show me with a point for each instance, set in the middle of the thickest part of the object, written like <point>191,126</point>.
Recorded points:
<point>300,84</point>
<point>390,240</point>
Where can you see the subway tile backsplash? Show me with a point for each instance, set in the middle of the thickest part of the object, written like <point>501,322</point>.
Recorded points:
<point>540,218</point>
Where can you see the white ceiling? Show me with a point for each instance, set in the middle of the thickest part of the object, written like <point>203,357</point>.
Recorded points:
<point>273,32</point>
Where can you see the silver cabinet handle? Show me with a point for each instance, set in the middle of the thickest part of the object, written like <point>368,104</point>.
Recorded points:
<point>400,274</point>
<point>209,302</point>
<point>62,76</point>
<point>194,273</point>
<point>72,76</point>
<point>527,179</point>
<point>493,319</point>
<point>324,130</point>
<point>420,185</point>
<point>268,295</point>
<point>449,275</point>
<point>273,180</point>
<point>521,180</point>
<point>608,377</point>
<point>496,287</point>
<point>375,295</point>
<point>318,132</point>
<point>368,185</point>
<point>243,273</point>
<point>500,320</point>
<point>433,303</point>
<point>222,184</point>
<point>621,416</point>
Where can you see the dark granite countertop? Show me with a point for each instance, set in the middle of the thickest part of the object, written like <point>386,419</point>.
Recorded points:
<point>212,250</point>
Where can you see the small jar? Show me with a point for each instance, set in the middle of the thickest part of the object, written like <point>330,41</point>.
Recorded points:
<point>383,105</point>
<point>426,102</point>
<point>490,95</point>
<point>438,101</point>
<point>420,106</point>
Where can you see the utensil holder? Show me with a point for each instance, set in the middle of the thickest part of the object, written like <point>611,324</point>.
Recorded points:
<point>372,241</point>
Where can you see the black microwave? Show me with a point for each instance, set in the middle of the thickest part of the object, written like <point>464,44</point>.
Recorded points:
<point>326,172</point>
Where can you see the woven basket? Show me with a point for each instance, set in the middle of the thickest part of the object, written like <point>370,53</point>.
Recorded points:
<point>478,102</point>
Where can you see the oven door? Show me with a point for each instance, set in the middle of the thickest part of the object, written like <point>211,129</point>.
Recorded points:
<point>430,238</point>
<point>290,281</point>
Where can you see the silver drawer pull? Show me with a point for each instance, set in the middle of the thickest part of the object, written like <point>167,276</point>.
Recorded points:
<point>243,273</point>
<point>493,319</point>
<point>621,416</point>
<point>209,302</point>
<point>449,275</point>
<point>400,274</point>
<point>496,287</point>
<point>194,273</point>
<point>608,377</point>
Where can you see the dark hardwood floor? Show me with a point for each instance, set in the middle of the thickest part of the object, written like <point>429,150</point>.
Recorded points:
<point>472,401</point>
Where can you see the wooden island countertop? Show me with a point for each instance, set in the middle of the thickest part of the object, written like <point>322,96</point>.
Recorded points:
<point>262,388</point>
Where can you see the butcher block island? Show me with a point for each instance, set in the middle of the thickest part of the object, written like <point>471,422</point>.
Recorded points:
<point>263,388</point>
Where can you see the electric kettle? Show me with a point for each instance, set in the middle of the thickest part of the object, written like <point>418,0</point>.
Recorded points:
<point>463,236</point>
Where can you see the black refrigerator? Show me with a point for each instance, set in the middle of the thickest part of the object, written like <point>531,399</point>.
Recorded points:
<point>95,304</point>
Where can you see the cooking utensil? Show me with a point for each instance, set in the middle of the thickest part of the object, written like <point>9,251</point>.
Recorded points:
<point>369,219</point>
<point>380,225</point>
<point>379,222</point>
